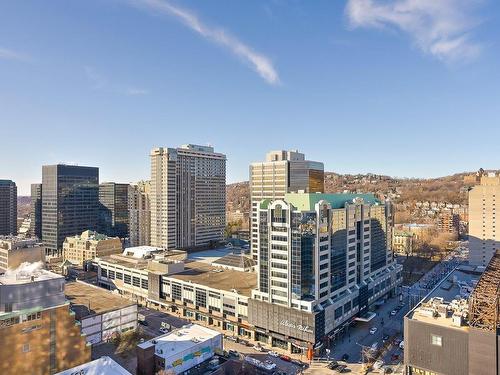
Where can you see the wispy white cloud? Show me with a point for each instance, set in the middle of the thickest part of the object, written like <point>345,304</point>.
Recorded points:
<point>260,63</point>
<point>99,82</point>
<point>438,27</point>
<point>136,91</point>
<point>9,54</point>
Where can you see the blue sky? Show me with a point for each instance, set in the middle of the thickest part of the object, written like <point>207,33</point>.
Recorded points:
<point>400,87</point>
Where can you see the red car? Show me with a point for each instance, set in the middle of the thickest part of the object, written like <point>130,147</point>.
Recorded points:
<point>285,358</point>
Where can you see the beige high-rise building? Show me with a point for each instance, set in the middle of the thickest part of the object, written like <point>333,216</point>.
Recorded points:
<point>483,238</point>
<point>140,214</point>
<point>90,245</point>
<point>282,172</point>
<point>188,196</point>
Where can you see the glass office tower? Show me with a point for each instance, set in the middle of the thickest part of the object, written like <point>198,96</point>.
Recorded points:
<point>36,211</point>
<point>113,209</point>
<point>70,203</point>
<point>8,207</point>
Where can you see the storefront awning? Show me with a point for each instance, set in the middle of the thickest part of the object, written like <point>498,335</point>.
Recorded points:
<point>366,317</point>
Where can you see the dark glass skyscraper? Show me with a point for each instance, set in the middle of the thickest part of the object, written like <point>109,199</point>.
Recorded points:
<point>36,210</point>
<point>8,207</point>
<point>70,203</point>
<point>113,209</point>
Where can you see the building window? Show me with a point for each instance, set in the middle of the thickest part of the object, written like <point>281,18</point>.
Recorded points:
<point>26,348</point>
<point>436,340</point>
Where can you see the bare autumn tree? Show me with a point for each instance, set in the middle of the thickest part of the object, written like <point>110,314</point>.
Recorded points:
<point>166,372</point>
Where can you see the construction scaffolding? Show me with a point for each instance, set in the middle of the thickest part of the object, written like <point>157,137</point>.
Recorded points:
<point>485,299</point>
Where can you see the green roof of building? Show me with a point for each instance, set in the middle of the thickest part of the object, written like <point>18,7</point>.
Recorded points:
<point>307,201</point>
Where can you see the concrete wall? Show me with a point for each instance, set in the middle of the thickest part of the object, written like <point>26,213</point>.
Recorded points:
<point>483,352</point>
<point>451,358</point>
<point>281,319</point>
<point>43,293</point>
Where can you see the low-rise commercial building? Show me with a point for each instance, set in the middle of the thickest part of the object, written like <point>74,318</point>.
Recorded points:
<point>450,332</point>
<point>129,271</point>
<point>178,351</point>
<point>104,365</point>
<point>38,332</point>
<point>195,290</point>
<point>101,313</point>
<point>89,245</point>
<point>15,250</point>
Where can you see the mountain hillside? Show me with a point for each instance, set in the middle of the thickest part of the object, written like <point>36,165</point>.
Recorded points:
<point>406,191</point>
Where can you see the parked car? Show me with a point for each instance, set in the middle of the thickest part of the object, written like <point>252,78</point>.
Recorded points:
<point>163,330</point>
<point>341,368</point>
<point>385,338</point>
<point>373,330</point>
<point>286,358</point>
<point>394,312</point>
<point>273,354</point>
<point>233,353</point>
<point>402,344</point>
<point>143,322</point>
<point>258,348</point>
<point>345,357</point>
<point>333,365</point>
<point>378,364</point>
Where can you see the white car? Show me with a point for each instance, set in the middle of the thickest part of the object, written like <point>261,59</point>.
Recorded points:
<point>378,364</point>
<point>163,330</point>
<point>394,312</point>
<point>402,345</point>
<point>258,348</point>
<point>373,330</point>
<point>273,354</point>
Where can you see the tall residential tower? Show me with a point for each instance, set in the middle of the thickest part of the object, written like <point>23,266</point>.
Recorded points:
<point>483,239</point>
<point>282,172</point>
<point>188,196</point>
<point>139,209</point>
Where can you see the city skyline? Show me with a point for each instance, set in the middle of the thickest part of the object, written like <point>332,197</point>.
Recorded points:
<point>353,70</point>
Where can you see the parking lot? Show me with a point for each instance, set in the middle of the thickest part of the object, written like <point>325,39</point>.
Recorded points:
<point>155,318</point>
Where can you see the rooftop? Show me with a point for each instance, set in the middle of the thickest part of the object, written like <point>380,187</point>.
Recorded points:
<point>212,255</point>
<point>27,273</point>
<point>178,341</point>
<point>234,260</point>
<point>134,260</point>
<point>307,201</point>
<point>91,235</point>
<point>213,277</point>
<point>448,298</point>
<point>17,242</point>
<point>103,365</point>
<point>140,251</point>
<point>82,296</point>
